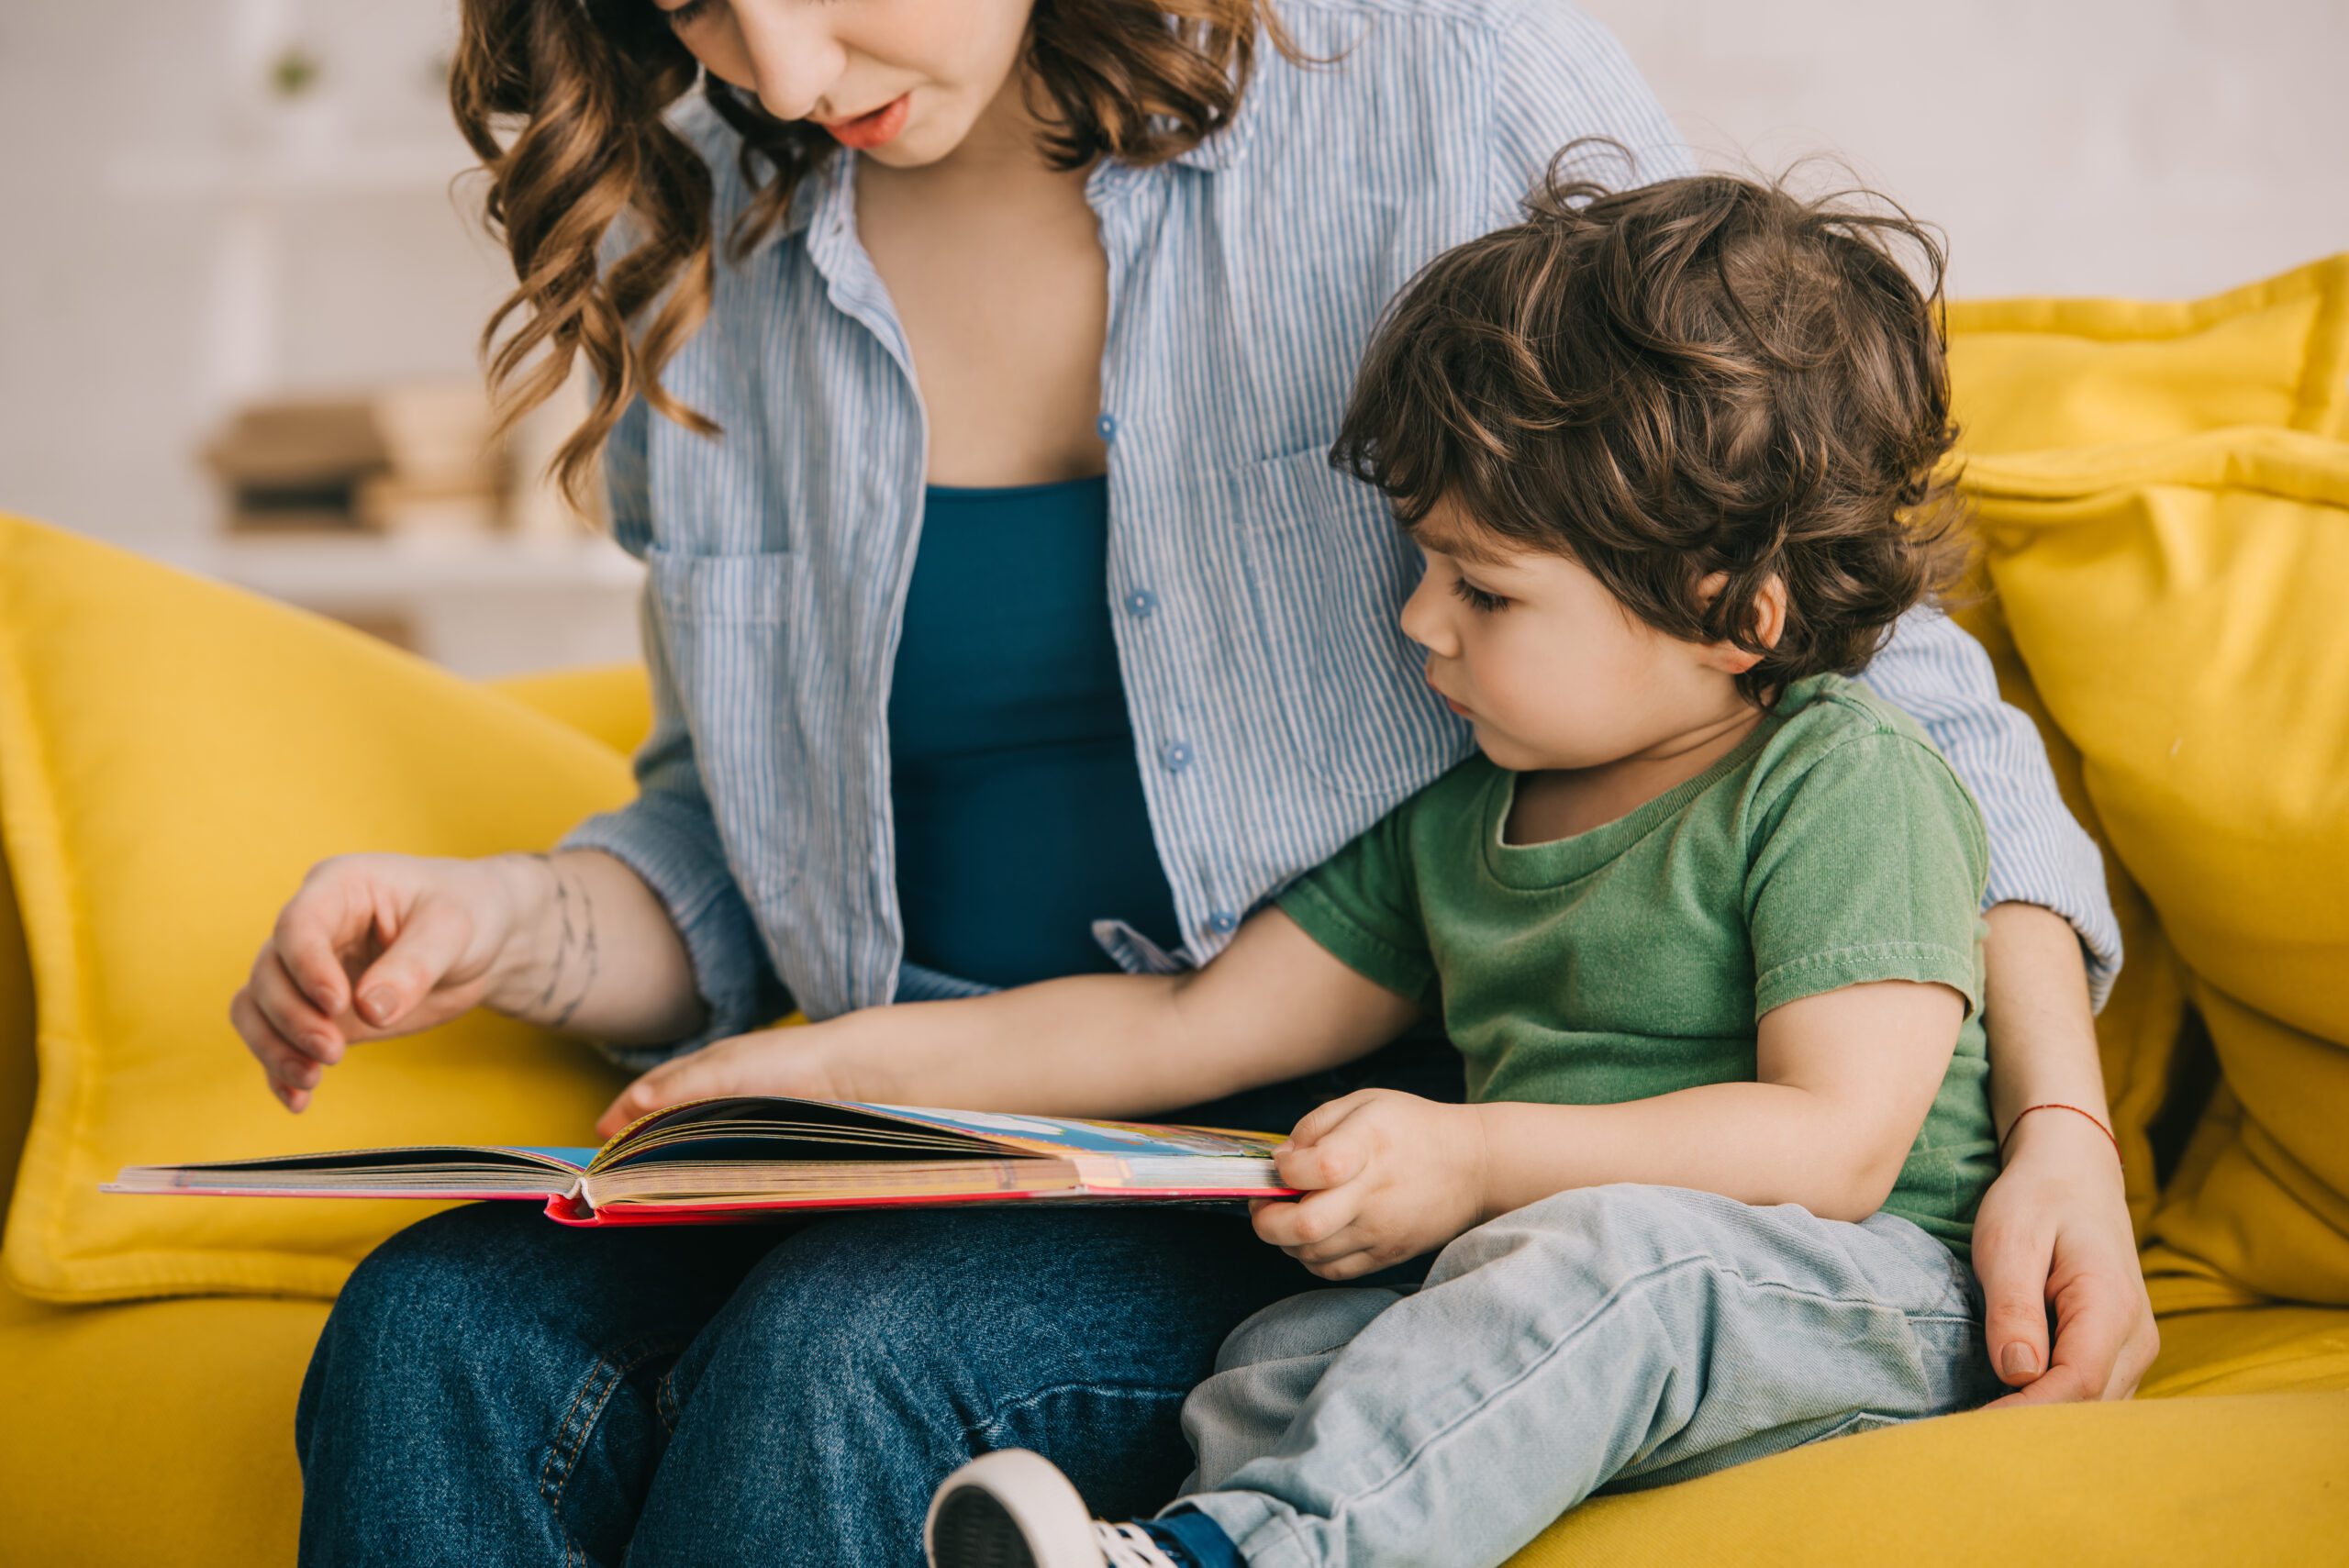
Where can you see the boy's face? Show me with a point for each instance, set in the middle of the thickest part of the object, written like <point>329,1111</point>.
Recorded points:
<point>1551,669</point>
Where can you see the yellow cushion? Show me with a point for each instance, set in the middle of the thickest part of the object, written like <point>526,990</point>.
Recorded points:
<point>2177,605</point>
<point>2253,1478</point>
<point>16,1076</point>
<point>611,702</point>
<point>2037,375</point>
<point>2047,375</point>
<point>153,1434</point>
<point>2252,1349</point>
<point>173,756</point>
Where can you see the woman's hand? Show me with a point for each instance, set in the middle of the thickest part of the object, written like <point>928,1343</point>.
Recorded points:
<point>2053,1229</point>
<point>1389,1175</point>
<point>370,946</point>
<point>809,1061</point>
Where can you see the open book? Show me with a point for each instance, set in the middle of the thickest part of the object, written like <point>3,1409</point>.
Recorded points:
<point>740,1157</point>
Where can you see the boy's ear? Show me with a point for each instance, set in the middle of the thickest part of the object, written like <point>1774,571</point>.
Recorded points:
<point>1769,622</point>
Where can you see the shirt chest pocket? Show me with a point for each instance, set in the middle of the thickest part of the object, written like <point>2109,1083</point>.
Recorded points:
<point>729,626</point>
<point>1328,573</point>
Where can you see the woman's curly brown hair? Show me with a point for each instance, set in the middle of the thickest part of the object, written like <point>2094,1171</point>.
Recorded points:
<point>580,87</point>
<point>1706,374</point>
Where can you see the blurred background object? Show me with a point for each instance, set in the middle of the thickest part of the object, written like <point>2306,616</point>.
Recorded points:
<point>242,277</point>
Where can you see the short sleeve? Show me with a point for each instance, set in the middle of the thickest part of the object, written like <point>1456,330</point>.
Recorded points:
<point>1869,867</point>
<point>1362,905</point>
<point>1563,77</point>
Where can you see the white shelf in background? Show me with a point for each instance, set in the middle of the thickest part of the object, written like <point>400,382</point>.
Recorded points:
<point>391,573</point>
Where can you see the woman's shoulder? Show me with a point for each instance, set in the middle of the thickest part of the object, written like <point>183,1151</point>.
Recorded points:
<point>1526,76</point>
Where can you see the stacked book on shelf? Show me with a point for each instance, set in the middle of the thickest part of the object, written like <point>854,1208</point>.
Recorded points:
<point>402,459</point>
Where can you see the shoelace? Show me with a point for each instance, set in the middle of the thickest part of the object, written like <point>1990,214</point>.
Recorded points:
<point>1128,1546</point>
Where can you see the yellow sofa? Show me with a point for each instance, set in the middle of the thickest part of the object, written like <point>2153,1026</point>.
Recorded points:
<point>153,1349</point>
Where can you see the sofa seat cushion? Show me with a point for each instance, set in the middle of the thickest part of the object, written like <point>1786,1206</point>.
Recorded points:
<point>2245,1478</point>
<point>153,1434</point>
<point>160,1435</point>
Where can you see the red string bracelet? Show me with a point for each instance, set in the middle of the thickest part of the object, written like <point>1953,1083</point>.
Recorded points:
<point>2052,1105</point>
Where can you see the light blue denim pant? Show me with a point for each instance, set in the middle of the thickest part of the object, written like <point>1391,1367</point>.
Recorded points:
<point>1617,1335</point>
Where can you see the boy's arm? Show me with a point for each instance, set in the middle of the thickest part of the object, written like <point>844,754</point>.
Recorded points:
<point>1272,1006</point>
<point>1845,1081</point>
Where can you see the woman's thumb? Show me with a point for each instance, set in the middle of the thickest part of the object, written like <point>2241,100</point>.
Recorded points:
<point>425,950</point>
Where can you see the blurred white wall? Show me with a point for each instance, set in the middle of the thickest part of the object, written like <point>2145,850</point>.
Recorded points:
<point>2159,148</point>
<point>2156,147</point>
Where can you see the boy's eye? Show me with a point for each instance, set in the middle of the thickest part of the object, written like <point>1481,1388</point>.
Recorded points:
<point>1476,598</point>
<point>689,13</point>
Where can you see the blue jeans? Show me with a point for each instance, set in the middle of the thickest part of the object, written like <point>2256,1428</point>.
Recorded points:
<point>492,1388</point>
<point>1622,1336</point>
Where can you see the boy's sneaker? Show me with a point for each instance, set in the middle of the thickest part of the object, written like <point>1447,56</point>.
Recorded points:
<point>1012,1509</point>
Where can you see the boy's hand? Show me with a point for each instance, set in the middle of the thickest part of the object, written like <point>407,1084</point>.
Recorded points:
<point>1391,1175</point>
<point>799,1060</point>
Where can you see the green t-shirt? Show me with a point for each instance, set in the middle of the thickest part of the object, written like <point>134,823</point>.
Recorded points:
<point>1833,847</point>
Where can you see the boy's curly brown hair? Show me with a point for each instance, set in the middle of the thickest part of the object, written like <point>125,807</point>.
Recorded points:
<point>1706,374</point>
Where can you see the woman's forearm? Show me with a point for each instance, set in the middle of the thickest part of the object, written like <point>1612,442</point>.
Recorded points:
<point>593,951</point>
<point>2041,1035</point>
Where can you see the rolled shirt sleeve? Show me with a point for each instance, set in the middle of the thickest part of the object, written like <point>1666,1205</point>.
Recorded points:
<point>1932,670</point>
<point>667,835</point>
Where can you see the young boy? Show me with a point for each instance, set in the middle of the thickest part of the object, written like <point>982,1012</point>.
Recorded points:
<point>1702,918</point>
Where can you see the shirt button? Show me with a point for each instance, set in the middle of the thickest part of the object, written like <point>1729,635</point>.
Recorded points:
<point>1176,755</point>
<point>1108,425</point>
<point>1141,601</point>
<point>1222,920</point>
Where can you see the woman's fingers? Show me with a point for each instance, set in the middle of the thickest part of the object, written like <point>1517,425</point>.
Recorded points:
<point>427,947</point>
<point>2012,1262</point>
<point>327,916</point>
<point>2094,1320</point>
<point>289,1013</point>
<point>290,1075</point>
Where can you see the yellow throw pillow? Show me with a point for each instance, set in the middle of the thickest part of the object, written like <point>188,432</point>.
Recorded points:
<point>173,756</point>
<point>2047,375</point>
<point>2177,605</point>
<point>2039,374</point>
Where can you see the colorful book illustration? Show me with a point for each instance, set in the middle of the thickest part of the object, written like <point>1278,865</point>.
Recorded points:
<point>738,1157</point>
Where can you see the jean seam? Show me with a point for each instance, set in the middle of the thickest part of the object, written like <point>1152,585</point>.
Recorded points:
<point>1641,1281</point>
<point>570,1439</point>
<point>986,1430</point>
<point>664,1402</point>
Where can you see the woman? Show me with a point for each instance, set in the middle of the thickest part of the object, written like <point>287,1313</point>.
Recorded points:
<point>1004,620</point>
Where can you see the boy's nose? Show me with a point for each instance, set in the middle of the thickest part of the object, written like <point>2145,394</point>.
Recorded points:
<point>1422,620</point>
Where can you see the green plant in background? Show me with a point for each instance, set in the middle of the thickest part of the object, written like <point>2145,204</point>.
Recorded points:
<point>293,72</point>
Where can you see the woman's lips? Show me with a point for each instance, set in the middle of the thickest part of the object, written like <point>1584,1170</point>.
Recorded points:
<point>877,129</point>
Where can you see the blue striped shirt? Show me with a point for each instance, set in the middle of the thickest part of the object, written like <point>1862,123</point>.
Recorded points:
<point>1277,709</point>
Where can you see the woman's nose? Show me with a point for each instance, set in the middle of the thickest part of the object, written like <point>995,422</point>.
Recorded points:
<point>795,62</point>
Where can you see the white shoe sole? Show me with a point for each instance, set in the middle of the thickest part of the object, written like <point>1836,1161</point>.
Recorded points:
<point>1010,1508</point>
